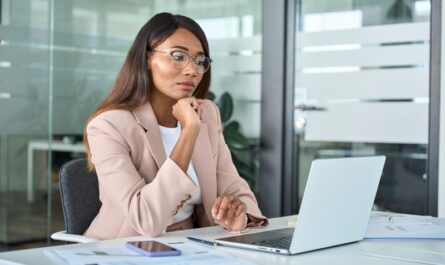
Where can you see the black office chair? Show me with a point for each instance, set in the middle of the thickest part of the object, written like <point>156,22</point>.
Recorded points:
<point>79,190</point>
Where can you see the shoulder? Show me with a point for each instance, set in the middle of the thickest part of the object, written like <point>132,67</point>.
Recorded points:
<point>114,114</point>
<point>118,119</point>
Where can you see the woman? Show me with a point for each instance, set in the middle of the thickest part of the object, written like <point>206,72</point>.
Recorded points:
<point>157,144</point>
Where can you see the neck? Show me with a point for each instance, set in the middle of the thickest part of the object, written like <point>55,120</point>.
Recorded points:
<point>162,107</point>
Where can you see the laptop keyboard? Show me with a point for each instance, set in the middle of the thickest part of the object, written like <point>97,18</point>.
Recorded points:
<point>281,242</point>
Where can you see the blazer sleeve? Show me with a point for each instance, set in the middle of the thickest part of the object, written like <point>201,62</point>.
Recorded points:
<point>230,182</point>
<point>146,207</point>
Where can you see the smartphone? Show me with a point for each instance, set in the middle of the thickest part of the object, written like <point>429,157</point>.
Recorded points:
<point>152,248</point>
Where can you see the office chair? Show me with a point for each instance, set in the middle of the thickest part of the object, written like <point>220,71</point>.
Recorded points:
<point>79,190</point>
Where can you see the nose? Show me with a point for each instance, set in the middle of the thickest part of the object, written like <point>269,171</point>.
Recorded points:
<point>190,69</point>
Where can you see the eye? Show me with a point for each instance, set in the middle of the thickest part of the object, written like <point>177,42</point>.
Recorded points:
<point>179,56</point>
<point>201,60</point>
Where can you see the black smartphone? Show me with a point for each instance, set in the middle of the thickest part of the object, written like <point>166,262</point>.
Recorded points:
<point>152,248</point>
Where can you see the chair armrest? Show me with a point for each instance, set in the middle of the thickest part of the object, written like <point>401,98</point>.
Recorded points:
<point>63,236</point>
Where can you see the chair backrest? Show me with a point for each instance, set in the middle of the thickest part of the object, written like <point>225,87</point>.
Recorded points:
<point>79,191</point>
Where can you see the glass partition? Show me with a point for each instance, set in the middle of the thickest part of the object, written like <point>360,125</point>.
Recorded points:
<point>24,115</point>
<point>58,59</point>
<point>361,88</point>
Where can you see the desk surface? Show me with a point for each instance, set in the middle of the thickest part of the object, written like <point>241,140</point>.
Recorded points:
<point>346,254</point>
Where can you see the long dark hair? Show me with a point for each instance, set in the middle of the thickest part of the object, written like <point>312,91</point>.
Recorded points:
<point>134,82</point>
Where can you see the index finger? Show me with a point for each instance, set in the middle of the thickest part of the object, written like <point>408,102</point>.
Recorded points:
<point>200,100</point>
<point>216,205</point>
<point>195,103</point>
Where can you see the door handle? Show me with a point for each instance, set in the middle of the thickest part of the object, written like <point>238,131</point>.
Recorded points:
<point>303,107</point>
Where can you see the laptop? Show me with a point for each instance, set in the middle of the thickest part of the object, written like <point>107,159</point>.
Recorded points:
<point>335,210</point>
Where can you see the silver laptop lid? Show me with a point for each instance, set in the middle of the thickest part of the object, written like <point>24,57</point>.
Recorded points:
<point>337,202</point>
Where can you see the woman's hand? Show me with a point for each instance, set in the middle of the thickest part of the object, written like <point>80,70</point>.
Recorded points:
<point>188,112</point>
<point>230,212</point>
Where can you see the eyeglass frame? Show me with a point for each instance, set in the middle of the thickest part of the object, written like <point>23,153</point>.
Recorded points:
<point>188,60</point>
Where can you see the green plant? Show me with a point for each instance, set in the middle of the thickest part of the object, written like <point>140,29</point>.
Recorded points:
<point>242,149</point>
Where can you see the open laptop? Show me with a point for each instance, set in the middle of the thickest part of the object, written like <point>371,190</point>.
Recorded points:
<point>335,210</point>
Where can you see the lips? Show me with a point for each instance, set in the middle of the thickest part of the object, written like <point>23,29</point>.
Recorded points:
<point>187,83</point>
<point>186,86</point>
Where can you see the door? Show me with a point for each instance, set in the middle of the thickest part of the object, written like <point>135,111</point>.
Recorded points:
<point>361,88</point>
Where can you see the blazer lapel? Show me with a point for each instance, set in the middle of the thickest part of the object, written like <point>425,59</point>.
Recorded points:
<point>146,118</point>
<point>206,170</point>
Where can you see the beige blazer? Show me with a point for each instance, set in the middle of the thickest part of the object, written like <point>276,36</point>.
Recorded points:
<point>141,189</point>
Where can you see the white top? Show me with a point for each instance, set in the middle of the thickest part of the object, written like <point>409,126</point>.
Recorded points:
<point>170,137</point>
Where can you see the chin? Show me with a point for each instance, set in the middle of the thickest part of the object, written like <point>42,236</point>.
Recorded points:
<point>184,95</point>
<point>176,97</point>
<point>179,94</point>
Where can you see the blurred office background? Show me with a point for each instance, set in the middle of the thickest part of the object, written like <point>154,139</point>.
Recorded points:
<point>355,83</point>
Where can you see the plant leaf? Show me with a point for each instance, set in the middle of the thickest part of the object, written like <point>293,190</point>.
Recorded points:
<point>232,126</point>
<point>235,140</point>
<point>211,96</point>
<point>225,104</point>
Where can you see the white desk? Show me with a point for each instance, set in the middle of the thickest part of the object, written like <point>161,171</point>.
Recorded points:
<point>45,146</point>
<point>346,254</point>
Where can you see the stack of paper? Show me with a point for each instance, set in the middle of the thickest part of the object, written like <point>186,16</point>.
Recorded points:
<point>393,225</point>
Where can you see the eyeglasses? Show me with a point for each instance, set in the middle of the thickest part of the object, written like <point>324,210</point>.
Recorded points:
<point>180,59</point>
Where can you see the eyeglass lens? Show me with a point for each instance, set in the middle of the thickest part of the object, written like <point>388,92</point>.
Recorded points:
<point>181,59</point>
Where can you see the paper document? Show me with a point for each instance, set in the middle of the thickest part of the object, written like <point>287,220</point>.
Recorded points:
<point>191,254</point>
<point>393,225</point>
<point>206,259</point>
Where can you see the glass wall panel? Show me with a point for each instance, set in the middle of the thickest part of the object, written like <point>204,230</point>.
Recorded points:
<point>24,116</point>
<point>361,88</point>
<point>58,60</point>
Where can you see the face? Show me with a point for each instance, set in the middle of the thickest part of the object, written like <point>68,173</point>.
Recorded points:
<point>169,81</point>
